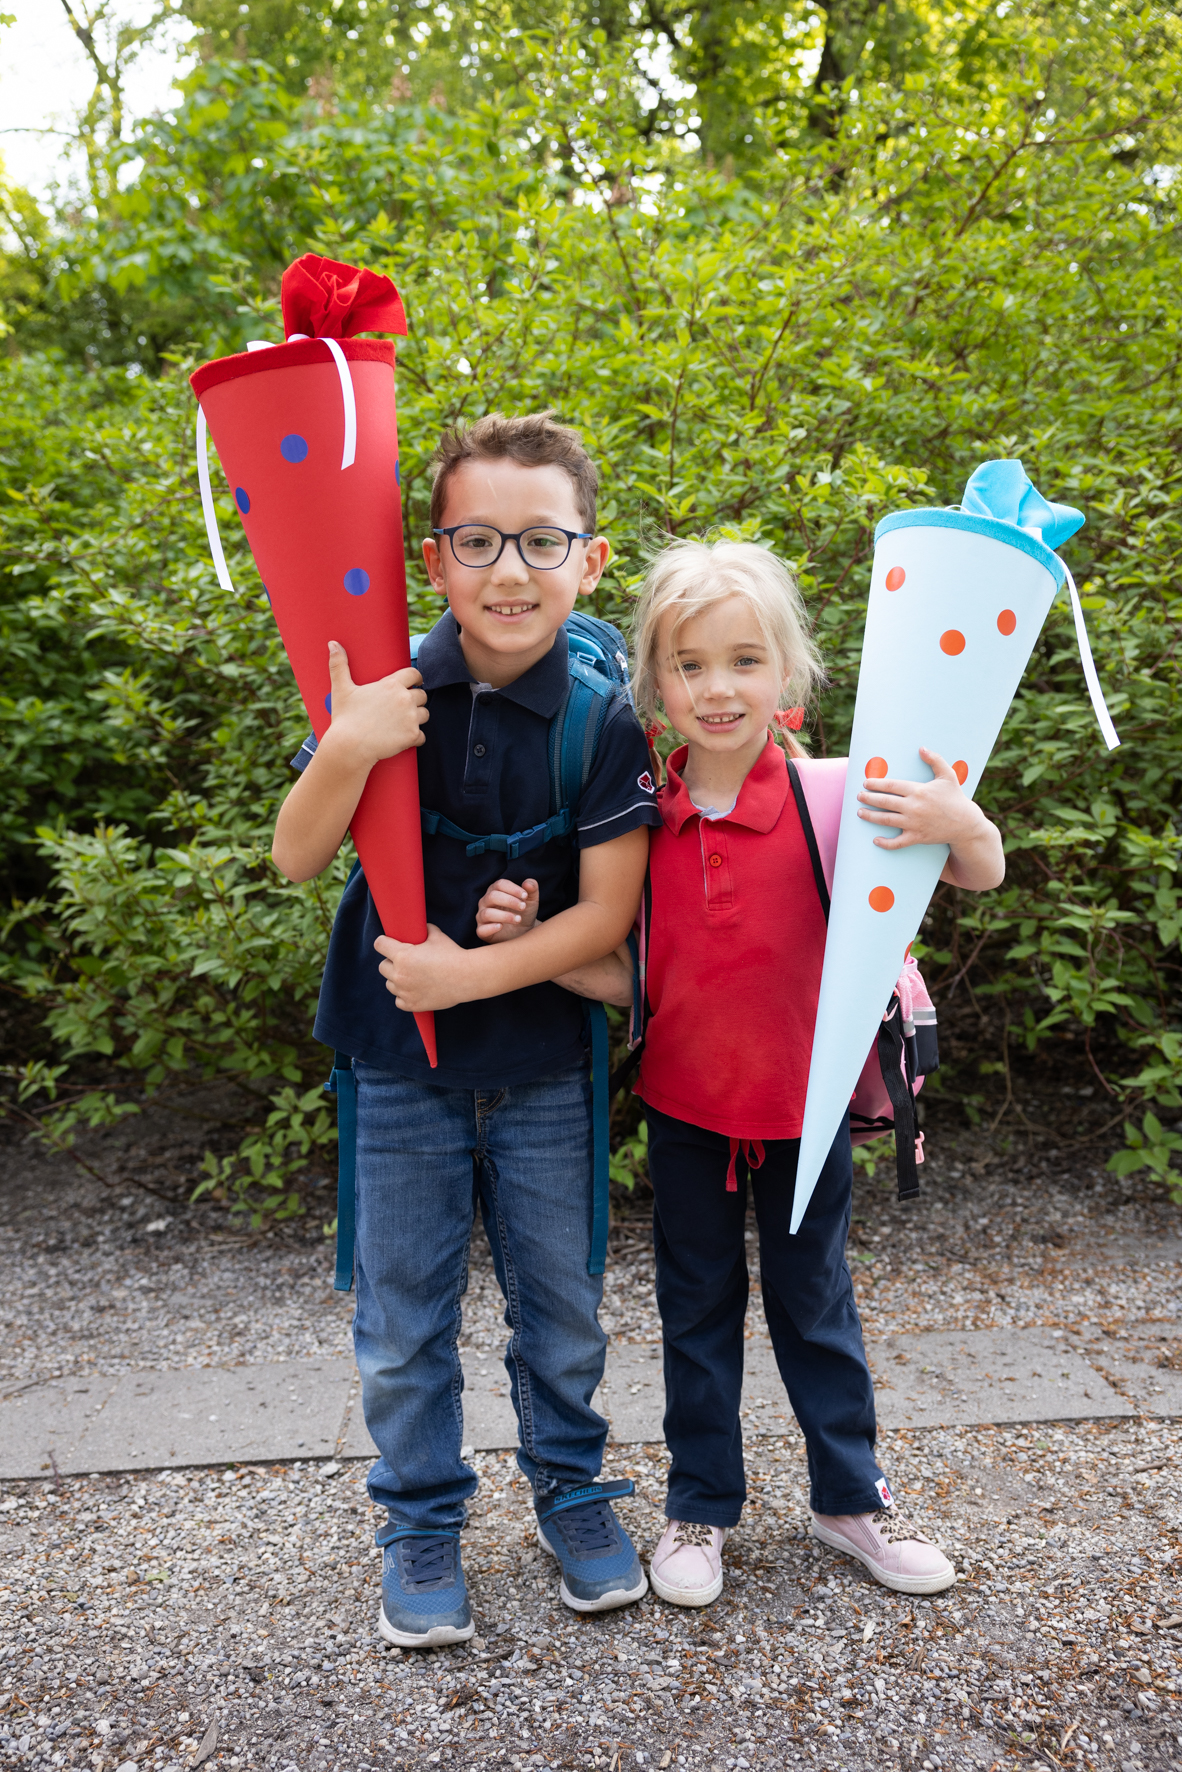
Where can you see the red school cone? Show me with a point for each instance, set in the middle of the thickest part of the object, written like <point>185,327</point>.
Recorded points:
<point>307,434</point>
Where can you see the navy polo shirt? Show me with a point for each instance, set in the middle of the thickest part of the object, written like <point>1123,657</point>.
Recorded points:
<point>484,765</point>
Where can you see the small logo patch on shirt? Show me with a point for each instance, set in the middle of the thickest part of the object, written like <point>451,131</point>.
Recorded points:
<point>645,781</point>
<point>888,1499</point>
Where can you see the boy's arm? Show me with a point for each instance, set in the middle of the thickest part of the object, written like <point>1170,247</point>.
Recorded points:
<point>938,811</point>
<point>439,973</point>
<point>369,721</point>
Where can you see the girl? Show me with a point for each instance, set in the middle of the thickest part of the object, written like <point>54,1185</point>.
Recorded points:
<point>736,943</point>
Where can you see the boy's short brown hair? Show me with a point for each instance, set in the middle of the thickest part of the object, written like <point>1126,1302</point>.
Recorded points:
<point>533,439</point>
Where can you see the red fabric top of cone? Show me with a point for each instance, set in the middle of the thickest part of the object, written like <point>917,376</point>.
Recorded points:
<point>326,299</point>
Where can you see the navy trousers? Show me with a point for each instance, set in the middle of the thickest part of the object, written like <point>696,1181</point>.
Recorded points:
<point>808,1299</point>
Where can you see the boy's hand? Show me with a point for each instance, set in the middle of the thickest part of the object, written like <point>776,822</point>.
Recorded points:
<point>379,719</point>
<point>507,909</point>
<point>430,974</point>
<point>936,811</point>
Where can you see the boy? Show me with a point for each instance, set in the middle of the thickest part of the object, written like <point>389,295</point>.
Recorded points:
<point>505,1119</point>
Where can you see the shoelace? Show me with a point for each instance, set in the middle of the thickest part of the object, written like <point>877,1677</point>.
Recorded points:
<point>589,1527</point>
<point>427,1560</point>
<point>895,1528</point>
<point>690,1532</point>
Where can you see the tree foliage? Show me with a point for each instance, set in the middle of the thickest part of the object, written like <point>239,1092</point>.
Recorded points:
<point>965,250</point>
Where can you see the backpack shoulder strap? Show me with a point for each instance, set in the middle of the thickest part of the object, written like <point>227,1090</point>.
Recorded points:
<point>822,880</point>
<point>822,781</point>
<point>575,731</point>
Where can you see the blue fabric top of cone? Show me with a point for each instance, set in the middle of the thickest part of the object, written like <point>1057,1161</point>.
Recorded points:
<point>1001,501</point>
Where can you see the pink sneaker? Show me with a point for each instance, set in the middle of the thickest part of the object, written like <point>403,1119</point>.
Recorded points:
<point>686,1567</point>
<point>896,1553</point>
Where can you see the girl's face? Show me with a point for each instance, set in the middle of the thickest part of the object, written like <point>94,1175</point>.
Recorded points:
<point>721,684</point>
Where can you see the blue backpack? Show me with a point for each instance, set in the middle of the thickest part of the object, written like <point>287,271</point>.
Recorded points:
<point>598,673</point>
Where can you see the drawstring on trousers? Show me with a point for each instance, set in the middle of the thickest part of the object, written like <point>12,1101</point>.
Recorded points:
<point>752,1149</point>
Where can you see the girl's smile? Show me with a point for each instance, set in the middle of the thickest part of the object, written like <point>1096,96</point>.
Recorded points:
<point>720,683</point>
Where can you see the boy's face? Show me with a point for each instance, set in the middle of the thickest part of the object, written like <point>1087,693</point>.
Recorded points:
<point>509,612</point>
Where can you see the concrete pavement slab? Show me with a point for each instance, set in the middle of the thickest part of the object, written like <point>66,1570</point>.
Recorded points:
<point>1144,1363</point>
<point>632,1395</point>
<point>41,1423</point>
<point>214,1415</point>
<point>950,1379</point>
<point>302,1408</point>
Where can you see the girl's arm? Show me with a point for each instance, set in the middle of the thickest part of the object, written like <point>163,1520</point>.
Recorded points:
<point>605,981</point>
<point>508,910</point>
<point>938,811</point>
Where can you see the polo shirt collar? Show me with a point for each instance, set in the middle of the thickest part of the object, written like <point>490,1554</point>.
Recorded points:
<point>761,797</point>
<point>540,689</point>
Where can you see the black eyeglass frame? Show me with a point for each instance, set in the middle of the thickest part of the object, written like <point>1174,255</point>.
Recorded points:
<point>572,536</point>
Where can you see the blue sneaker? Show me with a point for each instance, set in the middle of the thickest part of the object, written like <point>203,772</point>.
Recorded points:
<point>600,1567</point>
<point>424,1600</point>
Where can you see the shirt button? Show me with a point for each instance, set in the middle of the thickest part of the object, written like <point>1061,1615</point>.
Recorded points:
<point>478,750</point>
<point>716,861</point>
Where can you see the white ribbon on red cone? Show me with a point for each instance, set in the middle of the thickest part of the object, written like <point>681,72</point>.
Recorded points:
<point>348,452</point>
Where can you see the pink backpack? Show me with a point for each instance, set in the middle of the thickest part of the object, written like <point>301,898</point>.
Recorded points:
<point>905,1050</point>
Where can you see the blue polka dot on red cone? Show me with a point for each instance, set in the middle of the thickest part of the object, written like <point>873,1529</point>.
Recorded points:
<point>293,447</point>
<point>357,581</point>
<point>328,704</point>
<point>241,499</point>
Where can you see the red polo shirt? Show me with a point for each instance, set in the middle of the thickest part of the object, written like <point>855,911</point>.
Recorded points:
<point>734,960</point>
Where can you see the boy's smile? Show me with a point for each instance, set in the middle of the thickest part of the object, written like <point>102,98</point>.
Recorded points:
<point>509,612</point>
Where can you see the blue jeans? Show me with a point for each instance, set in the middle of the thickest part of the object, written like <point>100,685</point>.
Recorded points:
<point>808,1300</point>
<point>425,1157</point>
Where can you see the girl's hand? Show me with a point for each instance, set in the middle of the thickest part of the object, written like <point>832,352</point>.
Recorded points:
<point>507,909</point>
<point>375,720</point>
<point>937,811</point>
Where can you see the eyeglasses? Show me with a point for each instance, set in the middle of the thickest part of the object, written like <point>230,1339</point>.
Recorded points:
<point>543,547</point>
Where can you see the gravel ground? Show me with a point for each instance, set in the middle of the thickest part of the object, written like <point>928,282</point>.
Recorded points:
<point>227,1617</point>
<point>235,1612</point>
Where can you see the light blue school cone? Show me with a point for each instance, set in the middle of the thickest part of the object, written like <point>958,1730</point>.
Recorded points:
<point>957,600</point>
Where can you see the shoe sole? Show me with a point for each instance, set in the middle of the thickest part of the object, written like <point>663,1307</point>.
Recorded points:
<point>435,1638</point>
<point>606,1602</point>
<point>685,1596</point>
<point>901,1584</point>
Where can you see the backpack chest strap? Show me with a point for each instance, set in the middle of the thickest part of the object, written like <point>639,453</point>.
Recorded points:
<point>511,844</point>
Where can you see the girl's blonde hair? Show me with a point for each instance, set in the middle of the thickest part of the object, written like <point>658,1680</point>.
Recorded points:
<point>689,577</point>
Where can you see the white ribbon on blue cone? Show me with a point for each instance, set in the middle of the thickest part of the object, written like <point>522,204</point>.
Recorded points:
<point>348,452</point>
<point>1004,491</point>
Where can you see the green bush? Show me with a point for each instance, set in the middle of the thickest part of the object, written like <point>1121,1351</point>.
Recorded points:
<point>965,268</point>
